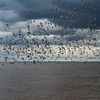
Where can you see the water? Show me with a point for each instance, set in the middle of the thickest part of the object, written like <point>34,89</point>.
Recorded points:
<point>50,81</point>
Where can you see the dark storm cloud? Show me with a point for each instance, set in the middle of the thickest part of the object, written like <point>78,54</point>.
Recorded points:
<point>71,13</point>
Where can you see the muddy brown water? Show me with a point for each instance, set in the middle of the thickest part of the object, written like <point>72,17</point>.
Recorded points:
<point>50,81</point>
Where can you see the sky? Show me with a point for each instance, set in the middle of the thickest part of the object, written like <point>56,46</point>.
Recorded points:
<point>77,11</point>
<point>74,14</point>
<point>57,21</point>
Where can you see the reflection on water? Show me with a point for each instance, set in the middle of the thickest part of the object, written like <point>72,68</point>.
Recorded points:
<point>50,81</point>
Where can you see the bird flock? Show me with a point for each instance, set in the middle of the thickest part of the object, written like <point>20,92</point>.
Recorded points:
<point>52,42</point>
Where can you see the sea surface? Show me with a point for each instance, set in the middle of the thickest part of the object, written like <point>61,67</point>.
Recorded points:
<point>50,81</point>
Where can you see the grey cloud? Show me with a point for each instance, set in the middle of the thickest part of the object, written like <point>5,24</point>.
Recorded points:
<point>76,36</point>
<point>36,9</point>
